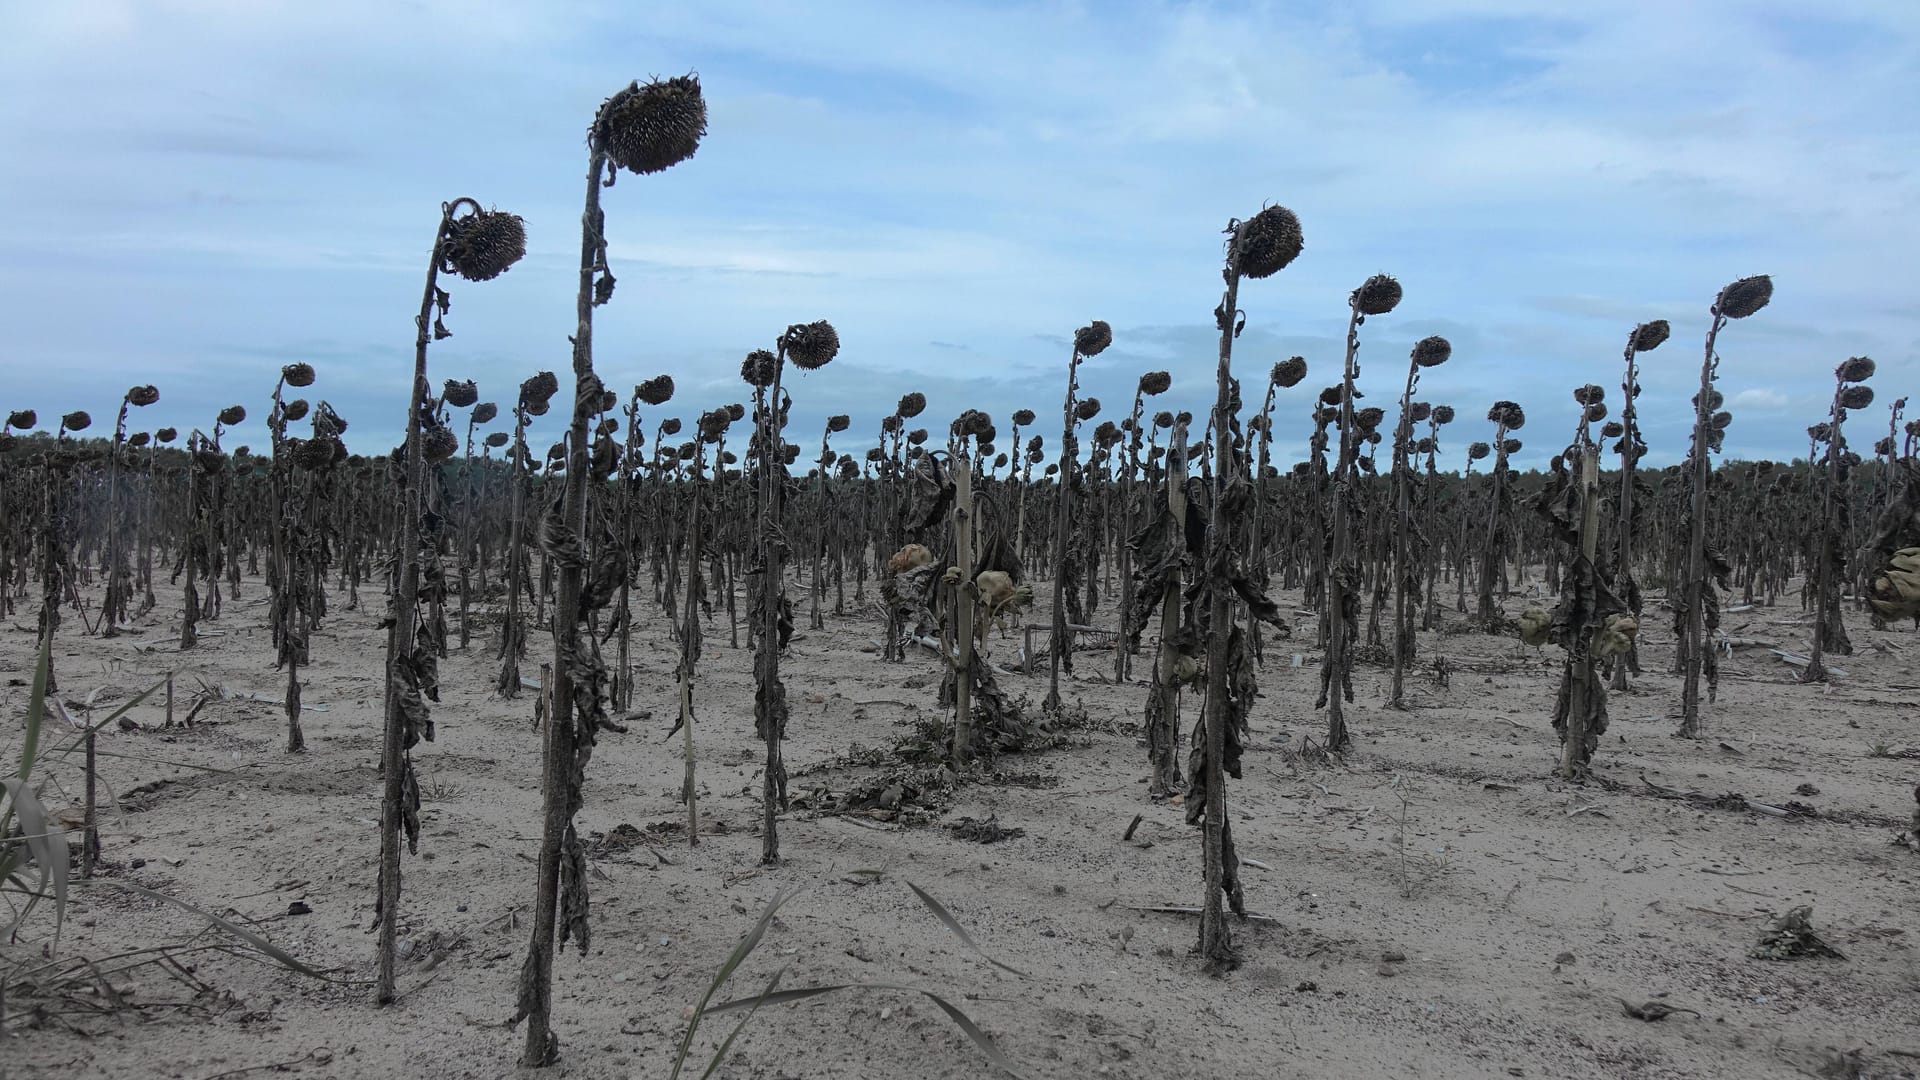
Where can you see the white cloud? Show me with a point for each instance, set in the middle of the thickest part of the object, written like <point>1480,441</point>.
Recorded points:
<point>1760,399</point>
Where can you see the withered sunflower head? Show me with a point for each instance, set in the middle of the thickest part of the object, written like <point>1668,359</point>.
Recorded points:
<point>1443,414</point>
<point>812,345</point>
<point>1289,372</point>
<point>917,436</point>
<point>1034,444</point>
<point>892,424</point>
<point>1648,335</point>
<point>1369,418</point>
<point>1424,446</point>
<point>1856,369</point>
<point>1820,432</point>
<point>539,390</point>
<point>1856,397</point>
<point>459,394</point>
<point>651,128</point>
<point>233,414</point>
<point>142,396</point>
<point>1476,451</point>
<point>1432,351</point>
<point>297,375</point>
<point>437,444</point>
<point>1163,419</point>
<point>1419,411</point>
<point>735,412</point>
<point>1588,394</point>
<point>839,422</point>
<point>1509,414</point>
<point>999,461</point>
<point>496,439</point>
<point>1377,295</point>
<point>22,419</point>
<point>912,404</point>
<point>313,454</point>
<point>138,439</point>
<point>689,450</point>
<point>655,391</point>
<point>1714,400</point>
<point>1510,447</point>
<point>1155,383</point>
<point>670,426</point>
<point>1744,297</point>
<point>485,412</point>
<point>1613,429</point>
<point>166,435</point>
<point>759,368</point>
<point>1093,338</point>
<point>1086,408</point>
<point>1265,243</point>
<point>1022,417</point>
<point>1330,395</point>
<point>789,453</point>
<point>484,244</point>
<point>294,411</point>
<point>1596,412</point>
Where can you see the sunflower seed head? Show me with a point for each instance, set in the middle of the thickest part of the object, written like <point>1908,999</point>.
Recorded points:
<point>1377,295</point>
<point>460,394</point>
<point>1289,372</point>
<point>1744,297</point>
<point>485,412</point>
<point>1086,408</point>
<point>839,422</point>
<point>1432,351</point>
<point>294,411</point>
<point>1856,397</point>
<point>1856,369</point>
<point>233,414</point>
<point>1155,383</point>
<point>484,244</point>
<point>1265,243</point>
<point>912,404</point>
<point>1022,417</point>
<point>1648,335</point>
<point>812,345</point>
<point>142,396</point>
<point>22,419</point>
<point>647,129</point>
<point>1093,338</point>
<point>655,391</point>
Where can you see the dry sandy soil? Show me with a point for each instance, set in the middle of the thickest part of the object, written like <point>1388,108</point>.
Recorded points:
<point>1496,933</point>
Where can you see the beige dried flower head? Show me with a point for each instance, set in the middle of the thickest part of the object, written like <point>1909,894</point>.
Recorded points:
<point>1265,243</point>
<point>483,244</point>
<point>647,129</point>
<point>1648,335</point>
<point>1744,297</point>
<point>1377,295</point>
<point>811,345</point>
<point>1092,339</point>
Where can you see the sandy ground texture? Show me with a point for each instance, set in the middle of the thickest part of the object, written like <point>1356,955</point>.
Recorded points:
<point>1435,905</point>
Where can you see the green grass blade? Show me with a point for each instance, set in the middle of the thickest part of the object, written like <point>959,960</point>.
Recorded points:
<point>720,1055</point>
<point>738,956</point>
<point>940,912</point>
<point>48,844</point>
<point>247,937</point>
<point>973,1031</point>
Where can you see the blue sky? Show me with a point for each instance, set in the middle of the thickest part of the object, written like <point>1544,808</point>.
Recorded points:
<point>197,191</point>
